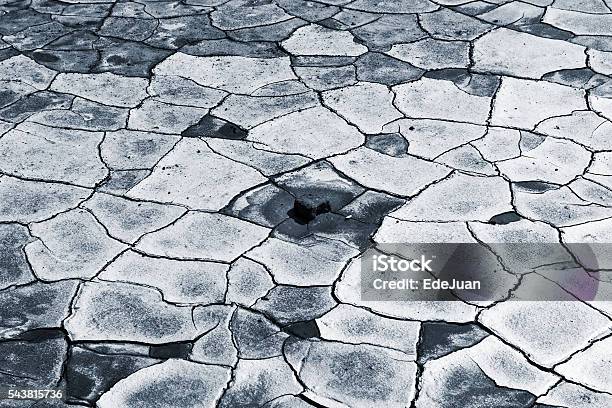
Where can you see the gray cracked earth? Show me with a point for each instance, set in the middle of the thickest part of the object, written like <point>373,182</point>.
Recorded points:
<point>186,188</point>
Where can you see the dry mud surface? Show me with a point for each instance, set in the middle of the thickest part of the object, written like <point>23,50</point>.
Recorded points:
<point>186,188</point>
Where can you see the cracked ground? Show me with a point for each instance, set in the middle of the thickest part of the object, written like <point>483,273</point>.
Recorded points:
<point>186,188</point>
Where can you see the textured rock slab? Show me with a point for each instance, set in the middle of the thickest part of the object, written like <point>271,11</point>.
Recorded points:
<point>602,163</point>
<point>376,67</point>
<point>256,337</point>
<point>89,374</point>
<point>216,345</point>
<point>35,306</point>
<point>201,386</point>
<point>431,138</point>
<point>179,281</point>
<point>313,261</point>
<point>128,220</point>
<point>560,207</point>
<point>182,91</point>
<point>250,111</point>
<point>439,339</point>
<point>234,15</point>
<point>313,133</point>
<point>432,54</point>
<point>324,78</point>
<point>510,52</point>
<point>468,159</point>
<point>513,13</point>
<point>204,236</point>
<point>370,117</point>
<point>318,40</point>
<point>573,395</point>
<point>591,367</point>
<point>247,282</point>
<point>393,230</point>
<point>128,149</point>
<point>71,245</point>
<point>597,232</point>
<point>106,88</point>
<point>430,98</point>
<point>31,201</point>
<point>451,25</point>
<point>553,161</point>
<point>35,363</point>
<point>124,312</point>
<point>404,176</point>
<point>41,152</point>
<point>353,375</point>
<point>387,30</point>
<point>155,116</point>
<point>391,6</point>
<point>23,69</point>
<point>600,102</point>
<point>349,324</point>
<point>288,304</point>
<point>509,368</point>
<point>229,73</point>
<point>579,23</point>
<point>548,332</point>
<point>459,379</point>
<point>459,198</point>
<point>522,258</point>
<point>600,61</point>
<point>14,267</point>
<point>257,382</point>
<point>524,104</point>
<point>499,144</point>
<point>84,115</point>
<point>254,155</point>
<point>594,129</point>
<point>193,175</point>
<point>591,191</point>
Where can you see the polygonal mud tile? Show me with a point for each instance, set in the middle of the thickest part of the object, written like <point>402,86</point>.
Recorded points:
<point>41,152</point>
<point>307,133</point>
<point>353,375</point>
<point>32,201</point>
<point>204,236</point>
<point>229,73</point>
<point>202,385</point>
<point>190,281</point>
<point>127,312</point>
<point>177,178</point>
<point>71,245</point>
<point>35,306</point>
<point>350,324</point>
<point>128,220</point>
<point>257,382</point>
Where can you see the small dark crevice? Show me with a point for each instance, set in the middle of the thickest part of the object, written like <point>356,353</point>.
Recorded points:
<point>306,210</point>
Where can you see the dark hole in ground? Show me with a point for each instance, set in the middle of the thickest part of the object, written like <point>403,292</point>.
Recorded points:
<point>305,210</point>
